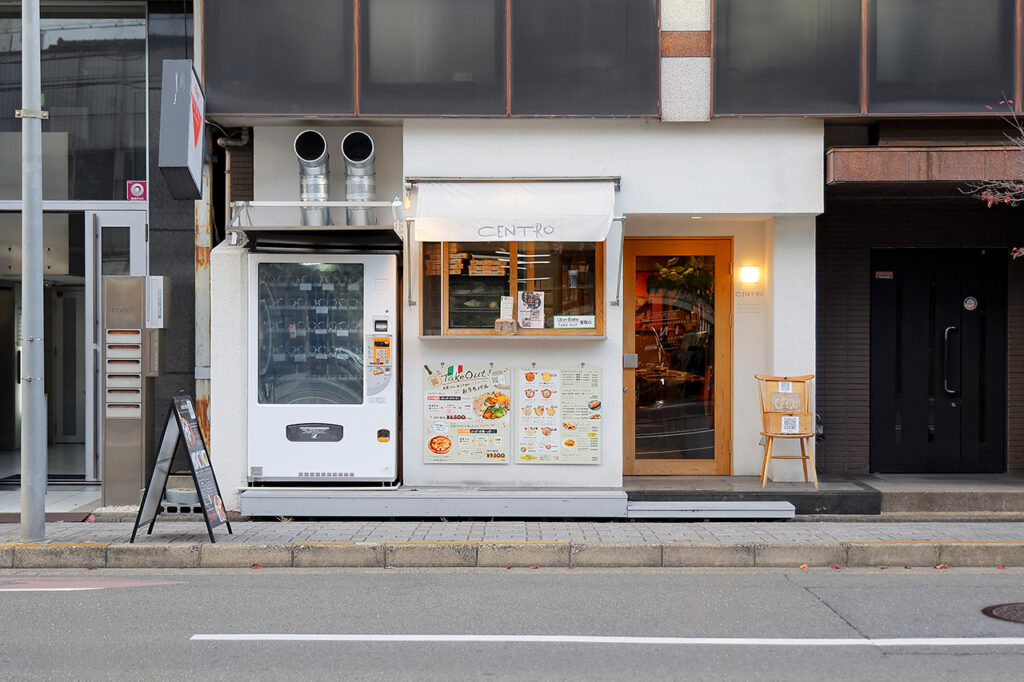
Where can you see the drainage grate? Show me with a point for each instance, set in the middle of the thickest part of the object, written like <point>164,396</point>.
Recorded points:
<point>1011,612</point>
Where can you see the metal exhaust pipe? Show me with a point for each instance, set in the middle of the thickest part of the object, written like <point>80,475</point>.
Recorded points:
<point>314,175</point>
<point>360,176</point>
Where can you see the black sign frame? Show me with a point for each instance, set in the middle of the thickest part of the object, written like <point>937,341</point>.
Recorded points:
<point>183,423</point>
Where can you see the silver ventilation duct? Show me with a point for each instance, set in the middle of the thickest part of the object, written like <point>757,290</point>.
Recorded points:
<point>314,174</point>
<point>360,176</point>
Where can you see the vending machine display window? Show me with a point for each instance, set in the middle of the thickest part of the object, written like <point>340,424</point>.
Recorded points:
<point>310,330</point>
<point>546,288</point>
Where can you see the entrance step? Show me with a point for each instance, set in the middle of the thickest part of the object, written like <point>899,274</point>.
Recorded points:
<point>834,496</point>
<point>710,510</point>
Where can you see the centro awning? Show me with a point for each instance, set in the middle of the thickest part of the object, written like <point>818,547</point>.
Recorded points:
<point>541,211</point>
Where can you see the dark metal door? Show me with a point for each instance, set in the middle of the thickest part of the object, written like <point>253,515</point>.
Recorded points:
<point>938,360</point>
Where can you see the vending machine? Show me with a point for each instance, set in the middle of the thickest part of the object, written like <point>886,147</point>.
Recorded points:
<point>323,404</point>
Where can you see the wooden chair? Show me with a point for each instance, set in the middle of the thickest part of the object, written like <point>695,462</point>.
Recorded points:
<point>786,413</point>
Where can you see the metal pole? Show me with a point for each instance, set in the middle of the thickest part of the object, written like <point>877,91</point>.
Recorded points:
<point>33,407</point>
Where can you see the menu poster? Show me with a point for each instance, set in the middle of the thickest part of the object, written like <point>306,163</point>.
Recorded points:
<point>531,309</point>
<point>467,415</point>
<point>559,415</point>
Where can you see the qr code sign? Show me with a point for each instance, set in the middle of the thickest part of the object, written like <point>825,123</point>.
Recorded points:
<point>790,425</point>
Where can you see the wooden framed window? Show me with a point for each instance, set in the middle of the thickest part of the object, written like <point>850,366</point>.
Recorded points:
<point>463,284</point>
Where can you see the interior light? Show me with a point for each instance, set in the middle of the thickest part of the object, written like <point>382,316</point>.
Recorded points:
<point>696,217</point>
<point>749,274</point>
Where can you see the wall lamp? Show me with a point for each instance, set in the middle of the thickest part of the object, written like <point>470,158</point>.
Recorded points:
<point>750,274</point>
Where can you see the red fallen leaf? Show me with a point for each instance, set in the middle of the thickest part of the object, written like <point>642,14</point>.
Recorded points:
<point>906,567</point>
<point>255,566</point>
<point>507,567</point>
<point>570,567</point>
<point>836,566</point>
<point>940,566</point>
<point>882,568</point>
<point>90,568</point>
<point>803,566</point>
<point>534,567</point>
<point>1001,566</point>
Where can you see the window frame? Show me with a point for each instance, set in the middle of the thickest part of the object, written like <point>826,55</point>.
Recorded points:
<point>866,58</point>
<point>599,329</point>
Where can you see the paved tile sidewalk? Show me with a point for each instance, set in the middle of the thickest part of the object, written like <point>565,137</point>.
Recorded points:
<point>525,531</point>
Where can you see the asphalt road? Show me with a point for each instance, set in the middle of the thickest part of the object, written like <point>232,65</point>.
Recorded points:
<point>836,624</point>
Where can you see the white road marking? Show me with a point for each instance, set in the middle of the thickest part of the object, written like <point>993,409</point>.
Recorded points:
<point>586,639</point>
<point>46,589</point>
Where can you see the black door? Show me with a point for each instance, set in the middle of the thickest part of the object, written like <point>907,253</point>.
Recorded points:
<point>938,360</point>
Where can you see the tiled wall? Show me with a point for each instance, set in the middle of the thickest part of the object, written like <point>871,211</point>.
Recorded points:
<point>685,60</point>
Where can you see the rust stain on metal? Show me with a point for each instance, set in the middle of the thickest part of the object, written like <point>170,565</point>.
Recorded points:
<point>202,257</point>
<point>203,414</point>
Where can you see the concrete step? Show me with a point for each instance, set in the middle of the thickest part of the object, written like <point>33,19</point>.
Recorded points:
<point>710,510</point>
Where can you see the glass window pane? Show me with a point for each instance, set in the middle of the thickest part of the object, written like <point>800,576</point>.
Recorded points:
<point>93,71</point>
<point>564,274</point>
<point>431,294</point>
<point>279,56</point>
<point>585,57</point>
<point>115,251</point>
<point>787,56</point>
<point>674,323</point>
<point>478,277</point>
<point>432,57</point>
<point>940,55</point>
<point>310,326</point>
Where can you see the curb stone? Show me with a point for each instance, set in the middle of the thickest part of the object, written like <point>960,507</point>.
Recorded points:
<point>793,554</point>
<point>337,555</point>
<point>615,555</point>
<point>85,555</point>
<point>237,555</point>
<point>170,555</point>
<point>708,555</point>
<point>555,554</point>
<point>430,555</point>
<point>860,554</point>
<point>981,553</point>
<point>866,554</point>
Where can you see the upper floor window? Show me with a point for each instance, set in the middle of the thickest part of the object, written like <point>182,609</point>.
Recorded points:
<point>279,56</point>
<point>940,55</point>
<point>93,76</point>
<point>585,57</point>
<point>918,56</point>
<point>432,57</point>
<point>787,56</point>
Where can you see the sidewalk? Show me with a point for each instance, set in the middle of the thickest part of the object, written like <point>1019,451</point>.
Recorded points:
<point>185,544</point>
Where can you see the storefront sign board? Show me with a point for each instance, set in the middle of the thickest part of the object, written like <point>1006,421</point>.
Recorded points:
<point>467,415</point>
<point>558,415</point>
<point>183,423</point>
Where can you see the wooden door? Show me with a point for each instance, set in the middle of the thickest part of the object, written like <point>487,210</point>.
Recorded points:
<point>677,337</point>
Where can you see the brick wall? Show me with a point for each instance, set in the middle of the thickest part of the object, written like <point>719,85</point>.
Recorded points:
<point>847,231</point>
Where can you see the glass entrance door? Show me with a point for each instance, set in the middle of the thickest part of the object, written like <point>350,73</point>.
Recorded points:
<point>677,340</point>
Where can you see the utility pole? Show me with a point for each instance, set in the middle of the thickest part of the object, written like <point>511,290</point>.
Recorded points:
<point>33,407</point>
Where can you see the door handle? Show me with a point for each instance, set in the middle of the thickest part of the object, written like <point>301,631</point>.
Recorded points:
<point>945,361</point>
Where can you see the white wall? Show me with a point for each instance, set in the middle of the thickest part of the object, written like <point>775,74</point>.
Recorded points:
<point>732,166</point>
<point>229,396</point>
<point>793,322</point>
<point>276,172</point>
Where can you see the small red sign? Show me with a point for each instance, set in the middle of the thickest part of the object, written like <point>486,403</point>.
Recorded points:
<point>197,121</point>
<point>136,190</point>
